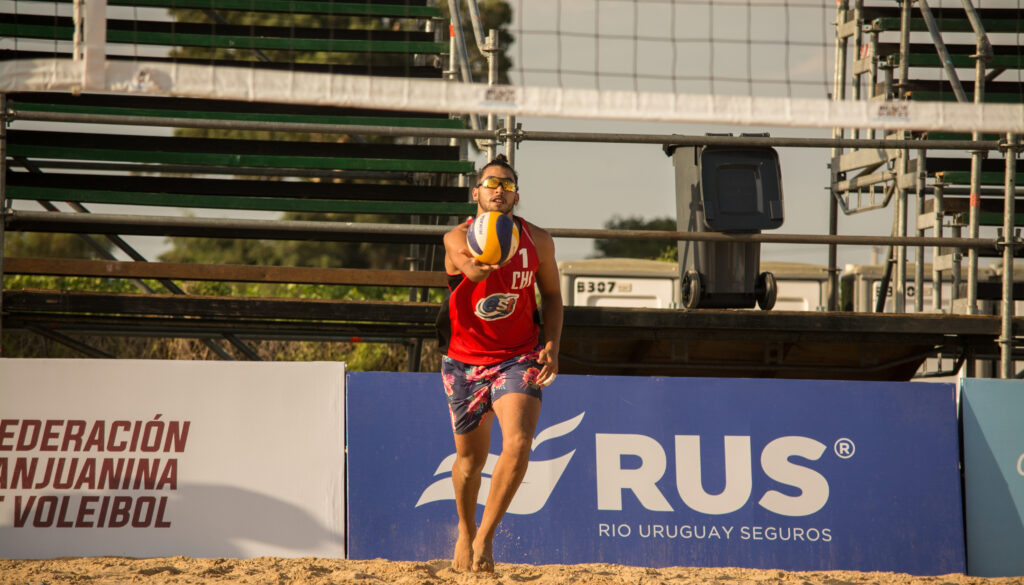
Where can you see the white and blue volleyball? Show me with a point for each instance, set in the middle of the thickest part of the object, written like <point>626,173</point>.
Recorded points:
<point>493,238</point>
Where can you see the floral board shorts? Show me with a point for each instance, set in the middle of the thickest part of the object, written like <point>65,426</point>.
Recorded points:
<point>472,390</point>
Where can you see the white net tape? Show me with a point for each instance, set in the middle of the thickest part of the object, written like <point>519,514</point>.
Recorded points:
<point>427,95</point>
<point>753,63</point>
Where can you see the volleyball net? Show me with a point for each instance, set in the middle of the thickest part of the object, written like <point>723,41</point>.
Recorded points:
<point>776,63</point>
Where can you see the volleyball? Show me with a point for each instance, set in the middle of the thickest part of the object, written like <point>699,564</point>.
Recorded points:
<point>493,238</point>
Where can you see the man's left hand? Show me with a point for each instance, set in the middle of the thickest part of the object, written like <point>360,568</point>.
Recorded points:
<point>549,357</point>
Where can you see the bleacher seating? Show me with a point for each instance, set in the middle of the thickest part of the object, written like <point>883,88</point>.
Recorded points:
<point>257,162</point>
<point>859,176</point>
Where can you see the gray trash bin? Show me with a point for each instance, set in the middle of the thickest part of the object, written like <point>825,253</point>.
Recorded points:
<point>729,189</point>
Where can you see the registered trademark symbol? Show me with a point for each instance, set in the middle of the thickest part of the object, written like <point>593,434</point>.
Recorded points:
<point>844,448</point>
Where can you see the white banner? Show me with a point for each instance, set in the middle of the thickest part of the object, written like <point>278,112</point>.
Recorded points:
<point>160,458</point>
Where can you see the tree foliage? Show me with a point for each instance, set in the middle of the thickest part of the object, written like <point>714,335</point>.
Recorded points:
<point>47,245</point>
<point>651,249</point>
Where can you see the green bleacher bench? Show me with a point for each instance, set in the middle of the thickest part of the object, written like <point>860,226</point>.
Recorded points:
<point>37,149</point>
<point>392,8</point>
<point>216,308</point>
<point>192,34</point>
<point>251,195</point>
<point>888,18</point>
<point>209,109</point>
<point>1003,92</point>
<point>247,59</point>
<point>990,212</point>
<point>206,227</point>
<point>223,151</point>
<point>224,272</point>
<point>993,20</point>
<point>962,56</point>
<point>957,171</point>
<point>33,146</point>
<point>340,166</point>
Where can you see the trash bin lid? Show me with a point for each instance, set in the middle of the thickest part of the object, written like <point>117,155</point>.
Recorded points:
<point>741,188</point>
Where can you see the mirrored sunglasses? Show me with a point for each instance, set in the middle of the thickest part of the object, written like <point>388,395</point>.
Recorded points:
<point>493,182</point>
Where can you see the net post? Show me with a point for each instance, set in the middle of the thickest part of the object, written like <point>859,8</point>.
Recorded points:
<point>1009,243</point>
<point>900,290</point>
<point>972,232</point>
<point>873,74</point>
<point>900,227</point>
<point>838,94</point>
<point>957,271</point>
<point>920,187</point>
<point>982,58</point>
<point>937,251</point>
<point>833,256</point>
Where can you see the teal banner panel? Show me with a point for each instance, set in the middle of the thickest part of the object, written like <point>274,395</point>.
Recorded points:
<point>993,426</point>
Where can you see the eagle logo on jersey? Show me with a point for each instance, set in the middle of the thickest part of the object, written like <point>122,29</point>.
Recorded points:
<point>496,306</point>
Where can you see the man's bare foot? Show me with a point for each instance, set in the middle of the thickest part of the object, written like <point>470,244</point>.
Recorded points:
<point>463,558</point>
<point>483,558</point>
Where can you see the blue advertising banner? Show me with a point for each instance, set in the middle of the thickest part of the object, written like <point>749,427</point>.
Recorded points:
<point>994,476</point>
<point>785,474</point>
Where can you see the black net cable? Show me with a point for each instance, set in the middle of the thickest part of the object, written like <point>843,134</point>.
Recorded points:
<point>558,40</point>
<point>728,47</point>
<point>787,60</point>
<point>597,45</point>
<point>675,51</point>
<point>711,46</point>
<point>636,46</point>
<point>750,51</point>
<point>825,82</point>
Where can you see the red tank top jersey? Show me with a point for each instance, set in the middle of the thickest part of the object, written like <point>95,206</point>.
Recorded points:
<point>494,319</point>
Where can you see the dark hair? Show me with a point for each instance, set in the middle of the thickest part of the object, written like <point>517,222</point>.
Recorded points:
<point>499,161</point>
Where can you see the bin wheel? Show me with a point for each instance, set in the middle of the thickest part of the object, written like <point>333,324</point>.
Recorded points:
<point>691,289</point>
<point>766,290</point>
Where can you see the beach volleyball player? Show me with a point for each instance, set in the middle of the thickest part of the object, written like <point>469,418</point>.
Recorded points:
<point>501,350</point>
